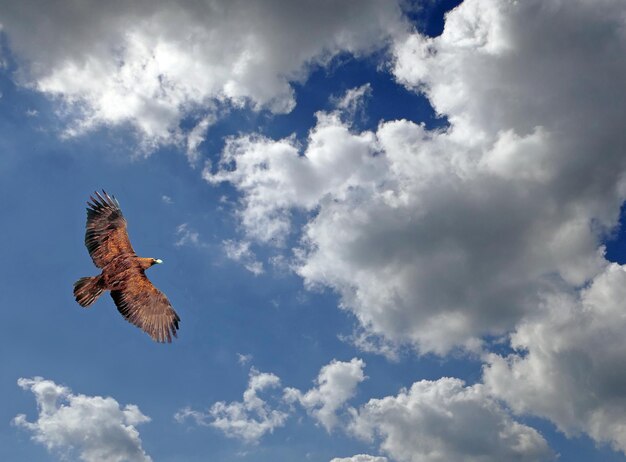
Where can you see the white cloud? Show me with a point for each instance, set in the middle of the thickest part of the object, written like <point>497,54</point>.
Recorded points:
<point>368,343</point>
<point>445,420</point>
<point>94,426</point>
<point>570,362</point>
<point>239,251</point>
<point>152,63</point>
<point>186,413</point>
<point>438,238</point>
<point>254,416</point>
<point>186,236</point>
<point>274,178</point>
<point>433,421</point>
<point>196,137</point>
<point>360,458</point>
<point>352,103</point>
<point>248,419</point>
<point>335,384</point>
<point>244,359</point>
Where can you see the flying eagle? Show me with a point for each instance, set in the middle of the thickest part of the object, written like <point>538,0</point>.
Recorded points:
<point>123,272</point>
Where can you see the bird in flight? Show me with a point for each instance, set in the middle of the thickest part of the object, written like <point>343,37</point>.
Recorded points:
<point>123,272</point>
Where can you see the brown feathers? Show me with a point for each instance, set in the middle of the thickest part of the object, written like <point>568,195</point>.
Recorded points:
<point>106,237</point>
<point>146,307</point>
<point>136,298</point>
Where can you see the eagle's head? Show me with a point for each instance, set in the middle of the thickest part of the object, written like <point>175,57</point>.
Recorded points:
<point>156,261</point>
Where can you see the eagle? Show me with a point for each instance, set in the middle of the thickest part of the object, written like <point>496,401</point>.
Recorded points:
<point>123,272</point>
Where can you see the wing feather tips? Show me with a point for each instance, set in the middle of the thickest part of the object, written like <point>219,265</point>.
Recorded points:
<point>161,327</point>
<point>106,236</point>
<point>165,332</point>
<point>111,201</point>
<point>102,202</point>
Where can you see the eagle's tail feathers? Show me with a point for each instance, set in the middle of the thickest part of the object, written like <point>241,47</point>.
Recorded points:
<point>87,290</point>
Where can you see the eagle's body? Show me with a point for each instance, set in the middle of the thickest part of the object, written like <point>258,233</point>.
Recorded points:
<point>123,273</point>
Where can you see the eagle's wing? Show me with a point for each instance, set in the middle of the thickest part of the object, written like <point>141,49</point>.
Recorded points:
<point>147,307</point>
<point>106,236</point>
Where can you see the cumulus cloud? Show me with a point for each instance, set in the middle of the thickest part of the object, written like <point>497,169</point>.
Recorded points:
<point>570,362</point>
<point>152,63</point>
<point>433,421</point>
<point>274,178</point>
<point>436,421</point>
<point>248,419</point>
<point>253,417</point>
<point>335,384</point>
<point>95,427</point>
<point>360,458</point>
<point>436,238</point>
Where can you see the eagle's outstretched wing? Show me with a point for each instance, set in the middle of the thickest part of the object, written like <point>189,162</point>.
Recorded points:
<point>147,307</point>
<point>106,236</point>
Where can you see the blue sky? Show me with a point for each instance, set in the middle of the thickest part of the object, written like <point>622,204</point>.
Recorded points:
<point>391,235</point>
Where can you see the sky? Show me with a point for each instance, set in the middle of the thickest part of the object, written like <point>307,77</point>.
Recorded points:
<point>392,230</point>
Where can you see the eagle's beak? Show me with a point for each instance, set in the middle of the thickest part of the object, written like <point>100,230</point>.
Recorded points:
<point>158,261</point>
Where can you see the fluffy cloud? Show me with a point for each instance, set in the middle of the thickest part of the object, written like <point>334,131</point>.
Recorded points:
<point>248,419</point>
<point>336,384</point>
<point>253,417</point>
<point>570,365</point>
<point>152,63</point>
<point>274,178</point>
<point>437,422</point>
<point>360,458</point>
<point>437,238</point>
<point>96,427</point>
<point>433,421</point>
